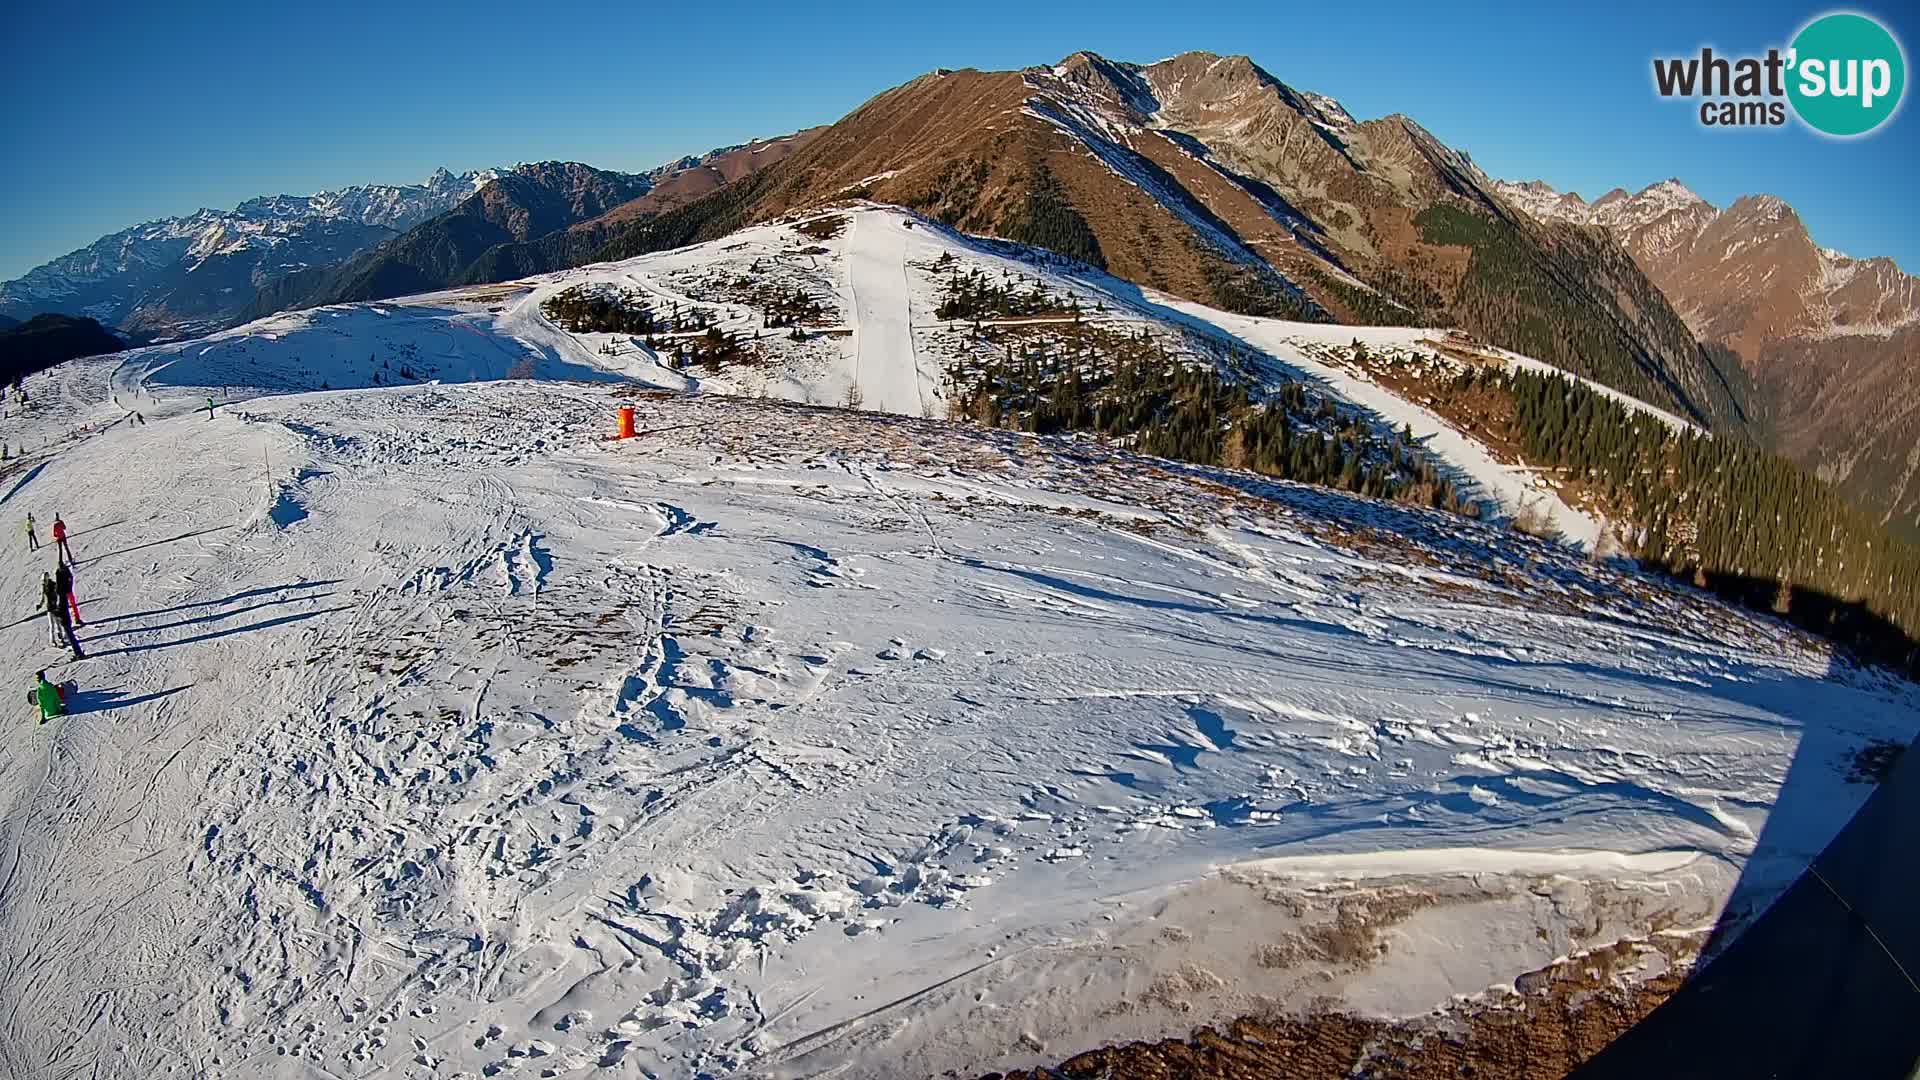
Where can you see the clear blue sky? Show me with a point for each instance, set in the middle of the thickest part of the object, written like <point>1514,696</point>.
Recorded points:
<point>118,113</point>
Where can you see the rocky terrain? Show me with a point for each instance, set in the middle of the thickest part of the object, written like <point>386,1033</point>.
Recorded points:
<point>1828,341</point>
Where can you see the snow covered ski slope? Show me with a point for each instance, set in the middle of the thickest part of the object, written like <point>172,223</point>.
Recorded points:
<point>427,733</point>
<point>873,339</point>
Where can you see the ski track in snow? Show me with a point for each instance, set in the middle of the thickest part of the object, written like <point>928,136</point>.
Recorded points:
<point>888,372</point>
<point>428,733</point>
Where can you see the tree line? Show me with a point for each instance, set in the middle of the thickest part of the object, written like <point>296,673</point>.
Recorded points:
<point>1130,390</point>
<point>1743,522</point>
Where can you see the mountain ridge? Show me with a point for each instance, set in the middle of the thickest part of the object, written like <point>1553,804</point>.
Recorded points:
<point>533,218</point>
<point>1210,178</point>
<point>1827,339</point>
<point>1202,175</point>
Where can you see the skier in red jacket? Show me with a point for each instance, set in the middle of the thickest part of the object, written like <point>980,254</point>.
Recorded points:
<point>60,538</point>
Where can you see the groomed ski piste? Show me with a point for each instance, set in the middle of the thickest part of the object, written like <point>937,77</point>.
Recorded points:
<point>427,732</point>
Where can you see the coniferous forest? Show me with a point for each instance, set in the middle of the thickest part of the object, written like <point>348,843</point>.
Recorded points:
<point>1743,522</point>
<point>1130,390</point>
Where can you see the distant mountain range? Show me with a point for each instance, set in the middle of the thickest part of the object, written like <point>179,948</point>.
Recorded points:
<point>519,204</point>
<point>530,219</point>
<point>1828,341</point>
<point>179,276</point>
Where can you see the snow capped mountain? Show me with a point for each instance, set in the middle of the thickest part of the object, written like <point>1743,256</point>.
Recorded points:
<point>174,275</point>
<point>393,207</point>
<point>1629,213</point>
<point>1706,258</point>
<point>1650,224</point>
<point>1691,248</point>
<point>1544,203</point>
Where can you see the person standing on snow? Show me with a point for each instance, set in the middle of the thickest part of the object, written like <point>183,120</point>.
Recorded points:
<point>209,408</point>
<point>33,539</point>
<point>50,600</point>
<point>60,537</point>
<point>51,699</point>
<point>63,581</point>
<point>65,623</point>
<point>59,623</point>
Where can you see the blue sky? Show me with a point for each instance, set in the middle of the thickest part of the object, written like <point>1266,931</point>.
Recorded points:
<point>119,113</point>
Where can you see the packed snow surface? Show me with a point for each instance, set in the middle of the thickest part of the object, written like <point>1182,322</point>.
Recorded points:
<point>428,732</point>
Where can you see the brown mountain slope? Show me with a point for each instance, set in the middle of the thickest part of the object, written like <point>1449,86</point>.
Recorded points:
<point>1418,222</point>
<point>976,150</point>
<point>1831,343</point>
<point>1206,177</point>
<point>695,178</point>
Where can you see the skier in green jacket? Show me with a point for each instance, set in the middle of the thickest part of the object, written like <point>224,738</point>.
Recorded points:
<point>51,699</point>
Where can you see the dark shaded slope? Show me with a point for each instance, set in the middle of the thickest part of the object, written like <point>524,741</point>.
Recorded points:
<point>46,340</point>
<point>1823,984</point>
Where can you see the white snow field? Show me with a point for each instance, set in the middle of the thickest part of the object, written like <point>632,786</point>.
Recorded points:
<point>426,732</point>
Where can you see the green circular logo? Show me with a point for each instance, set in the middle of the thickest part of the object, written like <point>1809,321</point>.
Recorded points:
<point>1847,75</point>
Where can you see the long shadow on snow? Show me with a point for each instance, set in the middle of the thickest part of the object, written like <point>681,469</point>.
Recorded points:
<point>23,481</point>
<point>214,616</point>
<point>1577,798</point>
<point>1464,547</point>
<point>87,701</point>
<point>248,594</point>
<point>71,533</point>
<point>1089,592</point>
<point>265,624</point>
<point>1743,685</point>
<point>1823,983</point>
<point>152,543</point>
